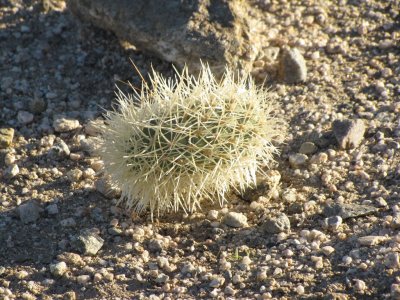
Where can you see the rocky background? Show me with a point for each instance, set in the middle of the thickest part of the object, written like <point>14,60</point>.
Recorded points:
<point>324,224</point>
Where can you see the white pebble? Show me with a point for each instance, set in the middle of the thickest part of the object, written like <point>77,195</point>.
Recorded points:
<point>58,269</point>
<point>65,125</point>
<point>83,279</point>
<point>212,215</point>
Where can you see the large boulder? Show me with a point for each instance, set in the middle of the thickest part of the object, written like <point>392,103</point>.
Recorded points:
<point>180,31</point>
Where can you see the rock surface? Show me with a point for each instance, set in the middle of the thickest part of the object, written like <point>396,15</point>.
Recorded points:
<point>6,137</point>
<point>185,32</point>
<point>65,125</point>
<point>29,212</point>
<point>278,224</point>
<point>75,68</point>
<point>347,211</point>
<point>292,66</point>
<point>234,219</point>
<point>58,269</point>
<point>349,133</point>
<point>88,243</point>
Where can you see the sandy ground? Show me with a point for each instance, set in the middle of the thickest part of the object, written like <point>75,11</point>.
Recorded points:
<point>342,206</point>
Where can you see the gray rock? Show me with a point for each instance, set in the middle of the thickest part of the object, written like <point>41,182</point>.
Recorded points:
<point>11,171</point>
<point>292,66</point>
<point>88,243</point>
<point>162,278</point>
<point>392,260</point>
<point>347,211</point>
<point>182,32</point>
<point>60,148</point>
<point>115,231</point>
<point>52,209</point>
<point>395,224</point>
<point>65,125</point>
<point>308,148</point>
<point>58,269</point>
<point>333,223</point>
<point>24,117</point>
<point>216,281</point>
<point>155,245</point>
<point>371,240</point>
<point>29,212</point>
<point>297,160</point>
<point>212,215</point>
<point>234,219</point>
<point>188,268</point>
<point>6,137</point>
<point>278,224</point>
<point>349,133</point>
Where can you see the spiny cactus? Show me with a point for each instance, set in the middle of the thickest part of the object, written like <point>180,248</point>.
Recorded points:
<point>183,140</point>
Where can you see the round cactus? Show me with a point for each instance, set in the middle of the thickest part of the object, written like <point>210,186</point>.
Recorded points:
<point>183,140</point>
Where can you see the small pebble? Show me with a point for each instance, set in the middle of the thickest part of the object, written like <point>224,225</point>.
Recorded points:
<point>347,260</point>
<point>72,259</point>
<point>359,285</point>
<point>9,159</point>
<point>74,175</point>
<point>11,171</point>
<point>308,148</point>
<point>300,290</point>
<point>292,66</point>
<point>371,240</point>
<point>97,165</point>
<point>234,219</point>
<point>327,250</point>
<point>216,282</point>
<point>212,215</point>
<point>278,224</point>
<point>29,212</point>
<point>297,160</point>
<point>229,290</point>
<point>349,133</point>
<point>333,223</point>
<point>88,173</point>
<point>392,260</point>
<point>83,279</point>
<point>25,117</point>
<point>60,148</point>
<point>6,137</point>
<point>52,209</point>
<point>58,269</point>
<point>88,243</point>
<point>65,125</point>
<point>319,158</point>
<point>22,274</point>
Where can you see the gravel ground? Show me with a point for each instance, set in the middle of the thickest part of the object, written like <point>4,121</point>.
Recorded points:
<point>324,225</point>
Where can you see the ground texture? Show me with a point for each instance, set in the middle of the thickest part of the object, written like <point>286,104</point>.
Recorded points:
<point>325,225</point>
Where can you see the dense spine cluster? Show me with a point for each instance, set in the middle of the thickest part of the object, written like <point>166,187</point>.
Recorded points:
<point>187,139</point>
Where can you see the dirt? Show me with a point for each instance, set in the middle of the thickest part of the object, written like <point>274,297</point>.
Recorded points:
<point>54,66</point>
